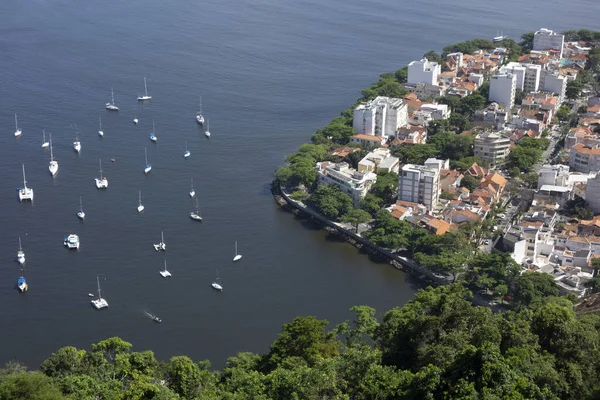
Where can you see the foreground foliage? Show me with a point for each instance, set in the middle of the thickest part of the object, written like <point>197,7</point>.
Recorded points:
<point>438,346</point>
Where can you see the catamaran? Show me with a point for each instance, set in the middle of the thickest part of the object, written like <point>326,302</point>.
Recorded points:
<point>237,256</point>
<point>44,143</point>
<point>20,253</point>
<point>53,166</point>
<point>192,191</point>
<point>145,96</point>
<point>162,245</point>
<point>77,143</point>
<point>164,273</point>
<point>140,205</point>
<point>17,129</point>
<point>199,117</point>
<point>102,182</point>
<point>72,242</point>
<point>99,303</point>
<point>81,214</point>
<point>148,165</point>
<point>187,152</point>
<point>22,284</point>
<point>25,193</point>
<point>217,283</point>
<point>207,133</point>
<point>111,106</point>
<point>195,215</point>
<point>100,131</point>
<point>152,135</point>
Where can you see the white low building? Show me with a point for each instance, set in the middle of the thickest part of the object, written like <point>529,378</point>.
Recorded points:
<point>349,180</point>
<point>423,71</point>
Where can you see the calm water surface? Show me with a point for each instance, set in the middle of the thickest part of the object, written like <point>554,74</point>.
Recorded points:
<point>270,73</point>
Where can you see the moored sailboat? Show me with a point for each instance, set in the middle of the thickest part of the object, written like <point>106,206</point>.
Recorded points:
<point>53,166</point>
<point>99,303</point>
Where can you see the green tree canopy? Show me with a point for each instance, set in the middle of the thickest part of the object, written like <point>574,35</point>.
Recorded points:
<point>330,201</point>
<point>356,216</point>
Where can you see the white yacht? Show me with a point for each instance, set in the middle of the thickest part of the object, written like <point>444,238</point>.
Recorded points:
<point>192,191</point>
<point>25,193</point>
<point>100,131</point>
<point>44,143</point>
<point>53,166</point>
<point>195,215</point>
<point>20,253</point>
<point>112,106</point>
<point>187,152</point>
<point>148,167</point>
<point>144,96</point>
<point>72,242</point>
<point>199,117</point>
<point>77,143</point>
<point>99,303</point>
<point>135,120</point>
<point>18,131</point>
<point>162,245</point>
<point>140,207</point>
<point>237,256</point>
<point>217,283</point>
<point>164,273</point>
<point>102,182</point>
<point>81,214</point>
<point>207,133</point>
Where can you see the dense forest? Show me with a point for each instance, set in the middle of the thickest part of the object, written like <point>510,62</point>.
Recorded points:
<point>437,346</point>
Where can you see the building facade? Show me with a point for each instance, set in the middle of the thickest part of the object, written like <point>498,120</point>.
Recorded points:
<point>492,148</point>
<point>502,90</point>
<point>592,193</point>
<point>556,84</point>
<point>349,180</point>
<point>553,175</point>
<point>419,184</point>
<point>423,71</point>
<point>546,39</point>
<point>381,116</point>
<point>584,158</point>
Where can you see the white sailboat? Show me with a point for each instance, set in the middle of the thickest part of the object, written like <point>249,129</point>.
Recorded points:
<point>192,191</point>
<point>217,283</point>
<point>135,118</point>
<point>140,205</point>
<point>53,166</point>
<point>237,256</point>
<point>187,152</point>
<point>44,143</point>
<point>20,253</point>
<point>18,131</point>
<point>207,133</point>
<point>81,214</point>
<point>111,106</point>
<point>145,96</point>
<point>102,182</point>
<point>148,167</point>
<point>77,143</point>
<point>199,117</point>
<point>162,245</point>
<point>152,135</point>
<point>100,131</point>
<point>164,273</point>
<point>195,215</point>
<point>99,303</point>
<point>25,193</point>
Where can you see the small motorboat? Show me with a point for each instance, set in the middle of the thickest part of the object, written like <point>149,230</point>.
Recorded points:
<point>113,160</point>
<point>135,121</point>
<point>22,284</point>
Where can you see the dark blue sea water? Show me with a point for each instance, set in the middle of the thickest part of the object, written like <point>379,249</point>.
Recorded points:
<point>270,73</point>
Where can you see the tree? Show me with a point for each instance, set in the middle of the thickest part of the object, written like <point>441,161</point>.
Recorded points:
<point>386,187</point>
<point>532,287</point>
<point>574,88</point>
<point>459,122</point>
<point>415,153</point>
<point>330,201</point>
<point>29,386</point>
<point>362,329</point>
<point>579,208</point>
<point>514,172</point>
<point>389,232</point>
<point>354,158</point>
<point>530,179</point>
<point>527,41</point>
<point>371,204</point>
<point>431,55</point>
<point>469,182</point>
<point>446,195</point>
<point>563,113</point>
<point>336,132</point>
<point>356,217</point>
<point>437,126</point>
<point>401,75</point>
<point>187,378</point>
<point>66,361</point>
<point>524,157</point>
<point>453,146</point>
<point>305,338</point>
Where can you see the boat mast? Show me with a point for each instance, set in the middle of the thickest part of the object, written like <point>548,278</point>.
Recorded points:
<point>165,265</point>
<point>51,154</point>
<point>145,86</point>
<point>80,204</point>
<point>16,124</point>
<point>100,120</point>
<point>140,197</point>
<point>20,248</point>
<point>24,181</point>
<point>100,161</point>
<point>200,104</point>
<point>98,280</point>
<point>236,248</point>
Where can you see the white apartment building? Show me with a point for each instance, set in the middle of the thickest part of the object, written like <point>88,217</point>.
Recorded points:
<point>553,175</point>
<point>419,184</point>
<point>592,193</point>
<point>527,75</point>
<point>382,116</point>
<point>437,111</point>
<point>349,180</point>
<point>502,90</point>
<point>584,158</point>
<point>546,39</point>
<point>491,147</point>
<point>556,84</point>
<point>423,71</point>
<point>379,160</point>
